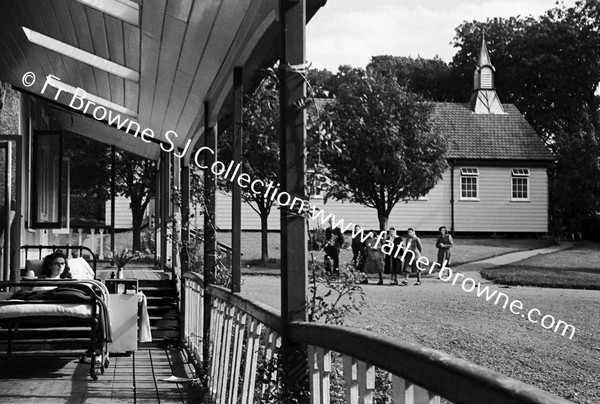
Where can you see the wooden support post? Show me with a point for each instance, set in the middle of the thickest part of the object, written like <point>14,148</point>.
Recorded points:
<point>5,148</point>
<point>176,223</point>
<point>185,219</point>
<point>164,203</point>
<point>156,219</point>
<point>236,223</point>
<point>101,252</point>
<point>15,234</point>
<point>451,196</point>
<point>210,239</point>
<point>113,194</point>
<point>293,179</point>
<point>187,304</point>
<point>20,194</point>
<point>93,237</point>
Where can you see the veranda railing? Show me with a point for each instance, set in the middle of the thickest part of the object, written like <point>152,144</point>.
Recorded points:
<point>242,334</point>
<point>244,342</point>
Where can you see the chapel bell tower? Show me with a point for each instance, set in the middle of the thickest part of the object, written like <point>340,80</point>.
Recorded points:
<point>484,99</point>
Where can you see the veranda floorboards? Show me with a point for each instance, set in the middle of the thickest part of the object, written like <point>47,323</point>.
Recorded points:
<point>50,379</point>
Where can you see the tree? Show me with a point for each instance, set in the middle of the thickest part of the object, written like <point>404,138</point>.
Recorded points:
<point>549,67</point>
<point>322,83</point>
<point>260,151</point>
<point>433,79</point>
<point>136,180</point>
<point>90,179</point>
<point>578,176</point>
<point>390,148</point>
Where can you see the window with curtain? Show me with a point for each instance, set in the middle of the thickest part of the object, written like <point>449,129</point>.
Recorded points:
<point>46,180</point>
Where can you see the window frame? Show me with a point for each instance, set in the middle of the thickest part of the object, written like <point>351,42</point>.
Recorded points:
<point>471,173</point>
<point>520,174</point>
<point>46,180</point>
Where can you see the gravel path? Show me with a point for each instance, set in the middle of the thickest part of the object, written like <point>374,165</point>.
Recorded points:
<point>443,316</point>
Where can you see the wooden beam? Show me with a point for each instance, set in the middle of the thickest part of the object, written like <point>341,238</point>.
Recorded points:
<point>236,220</point>
<point>293,180</point>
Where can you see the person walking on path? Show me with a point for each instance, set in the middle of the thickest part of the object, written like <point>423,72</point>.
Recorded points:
<point>413,246</point>
<point>444,243</point>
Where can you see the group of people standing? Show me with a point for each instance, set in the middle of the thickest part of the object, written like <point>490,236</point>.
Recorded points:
<point>368,257</point>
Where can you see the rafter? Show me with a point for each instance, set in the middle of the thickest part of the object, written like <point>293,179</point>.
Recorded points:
<point>81,55</point>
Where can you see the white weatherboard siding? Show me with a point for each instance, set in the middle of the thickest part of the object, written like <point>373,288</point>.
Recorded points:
<point>494,211</point>
<point>250,219</point>
<point>426,214</point>
<point>123,218</point>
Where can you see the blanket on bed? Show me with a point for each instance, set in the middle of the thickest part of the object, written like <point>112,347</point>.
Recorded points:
<point>67,295</point>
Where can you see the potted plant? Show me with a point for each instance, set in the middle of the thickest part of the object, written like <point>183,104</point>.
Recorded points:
<point>121,258</point>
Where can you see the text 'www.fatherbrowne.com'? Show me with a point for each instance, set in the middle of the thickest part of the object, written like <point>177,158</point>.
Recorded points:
<point>446,274</point>
<point>91,105</point>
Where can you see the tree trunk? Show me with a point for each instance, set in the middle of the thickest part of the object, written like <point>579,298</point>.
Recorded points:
<point>264,227</point>
<point>137,216</point>
<point>383,220</point>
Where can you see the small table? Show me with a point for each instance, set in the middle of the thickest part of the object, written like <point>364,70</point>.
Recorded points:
<point>123,308</point>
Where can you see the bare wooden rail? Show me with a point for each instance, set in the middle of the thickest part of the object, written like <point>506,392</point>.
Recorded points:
<point>245,341</point>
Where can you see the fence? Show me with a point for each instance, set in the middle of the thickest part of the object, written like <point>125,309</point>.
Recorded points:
<point>242,344</point>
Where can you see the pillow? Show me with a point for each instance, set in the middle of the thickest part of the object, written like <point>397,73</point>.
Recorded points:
<point>35,265</point>
<point>80,269</point>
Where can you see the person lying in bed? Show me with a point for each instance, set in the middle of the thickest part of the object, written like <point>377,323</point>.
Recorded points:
<point>55,266</point>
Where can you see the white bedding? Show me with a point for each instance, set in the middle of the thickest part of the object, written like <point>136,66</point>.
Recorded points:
<point>79,310</point>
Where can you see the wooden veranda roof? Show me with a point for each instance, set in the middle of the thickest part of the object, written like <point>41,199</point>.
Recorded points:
<point>156,62</point>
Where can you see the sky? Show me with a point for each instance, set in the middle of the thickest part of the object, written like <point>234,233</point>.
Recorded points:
<point>352,31</point>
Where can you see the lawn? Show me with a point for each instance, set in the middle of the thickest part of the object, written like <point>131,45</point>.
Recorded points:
<point>464,250</point>
<point>577,267</point>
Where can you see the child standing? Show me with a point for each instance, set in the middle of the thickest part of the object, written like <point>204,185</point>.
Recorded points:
<point>413,246</point>
<point>443,244</point>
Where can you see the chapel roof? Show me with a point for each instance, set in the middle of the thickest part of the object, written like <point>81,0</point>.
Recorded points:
<point>505,136</point>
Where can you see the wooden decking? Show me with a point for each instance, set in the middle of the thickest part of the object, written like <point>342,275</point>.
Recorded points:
<point>139,378</point>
